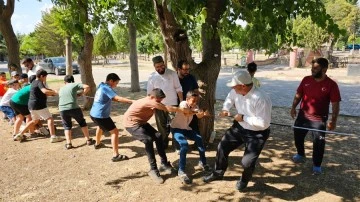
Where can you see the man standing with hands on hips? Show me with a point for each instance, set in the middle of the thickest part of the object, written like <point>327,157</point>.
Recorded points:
<point>315,93</point>
<point>251,127</point>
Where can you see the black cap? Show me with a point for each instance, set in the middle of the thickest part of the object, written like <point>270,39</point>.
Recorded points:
<point>157,59</point>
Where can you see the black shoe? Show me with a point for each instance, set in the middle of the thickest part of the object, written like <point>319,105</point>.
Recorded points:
<point>212,177</point>
<point>98,146</point>
<point>240,185</point>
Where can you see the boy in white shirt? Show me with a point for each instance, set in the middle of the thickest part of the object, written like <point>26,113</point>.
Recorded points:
<point>181,130</point>
<point>5,101</point>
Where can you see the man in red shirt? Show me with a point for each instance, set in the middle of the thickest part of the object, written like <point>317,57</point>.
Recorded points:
<point>315,93</point>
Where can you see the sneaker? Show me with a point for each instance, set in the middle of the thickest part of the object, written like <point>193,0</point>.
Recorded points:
<point>18,137</point>
<point>55,138</point>
<point>184,178</point>
<point>298,158</point>
<point>205,167</point>
<point>98,146</point>
<point>44,131</point>
<point>212,177</point>
<point>167,167</point>
<point>240,185</point>
<point>317,170</point>
<point>155,175</point>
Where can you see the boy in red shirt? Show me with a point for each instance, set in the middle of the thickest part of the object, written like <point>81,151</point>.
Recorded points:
<point>3,87</point>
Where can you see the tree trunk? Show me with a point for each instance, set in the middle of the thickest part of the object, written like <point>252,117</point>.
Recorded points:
<point>135,86</point>
<point>179,49</point>
<point>84,61</point>
<point>7,31</point>
<point>166,55</point>
<point>68,49</point>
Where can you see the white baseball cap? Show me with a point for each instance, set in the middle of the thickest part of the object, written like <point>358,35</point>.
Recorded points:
<point>240,78</point>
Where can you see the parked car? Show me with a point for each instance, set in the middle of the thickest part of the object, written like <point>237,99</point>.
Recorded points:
<point>56,65</point>
<point>350,47</point>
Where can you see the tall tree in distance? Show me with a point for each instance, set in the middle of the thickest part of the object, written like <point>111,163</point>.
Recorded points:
<point>47,36</point>
<point>104,43</point>
<point>6,29</point>
<point>121,38</point>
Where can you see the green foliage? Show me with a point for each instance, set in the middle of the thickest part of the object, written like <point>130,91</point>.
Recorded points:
<point>346,15</point>
<point>150,43</point>
<point>47,37</point>
<point>121,38</point>
<point>29,45</point>
<point>104,43</point>
<point>88,15</point>
<point>309,34</point>
<point>269,23</point>
<point>227,43</point>
<point>139,12</point>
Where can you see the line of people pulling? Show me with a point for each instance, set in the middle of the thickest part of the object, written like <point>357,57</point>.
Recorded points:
<point>165,89</point>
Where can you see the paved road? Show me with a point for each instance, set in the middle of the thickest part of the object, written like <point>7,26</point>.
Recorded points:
<point>281,91</point>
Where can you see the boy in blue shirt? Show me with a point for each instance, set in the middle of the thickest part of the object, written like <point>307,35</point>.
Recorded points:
<point>100,114</point>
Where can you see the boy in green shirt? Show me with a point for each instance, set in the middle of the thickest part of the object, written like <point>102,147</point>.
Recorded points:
<point>69,108</point>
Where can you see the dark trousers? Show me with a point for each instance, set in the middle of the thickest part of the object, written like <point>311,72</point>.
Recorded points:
<point>163,120</point>
<point>318,138</point>
<point>235,136</point>
<point>147,135</point>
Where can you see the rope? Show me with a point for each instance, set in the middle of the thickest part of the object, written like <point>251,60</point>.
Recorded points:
<point>309,129</point>
<point>312,129</point>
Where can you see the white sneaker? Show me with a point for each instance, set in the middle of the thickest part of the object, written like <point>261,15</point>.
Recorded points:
<point>55,138</point>
<point>18,137</point>
<point>44,131</point>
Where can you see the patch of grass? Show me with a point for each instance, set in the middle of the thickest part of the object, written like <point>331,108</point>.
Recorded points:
<point>54,81</point>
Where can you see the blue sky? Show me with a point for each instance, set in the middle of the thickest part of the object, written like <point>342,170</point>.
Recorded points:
<point>27,14</point>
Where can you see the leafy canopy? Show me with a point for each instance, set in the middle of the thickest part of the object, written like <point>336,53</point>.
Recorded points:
<point>104,43</point>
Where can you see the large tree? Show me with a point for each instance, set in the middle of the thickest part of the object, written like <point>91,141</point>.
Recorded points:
<point>104,43</point>
<point>87,15</point>
<point>49,40</point>
<point>12,44</point>
<point>267,28</point>
<point>137,17</point>
<point>346,15</point>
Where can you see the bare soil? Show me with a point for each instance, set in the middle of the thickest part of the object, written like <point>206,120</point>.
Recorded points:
<point>37,170</point>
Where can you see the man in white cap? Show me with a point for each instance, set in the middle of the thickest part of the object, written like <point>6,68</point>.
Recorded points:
<point>251,127</point>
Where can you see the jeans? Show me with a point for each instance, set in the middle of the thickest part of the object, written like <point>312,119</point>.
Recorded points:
<point>147,135</point>
<point>317,137</point>
<point>180,136</point>
<point>235,136</point>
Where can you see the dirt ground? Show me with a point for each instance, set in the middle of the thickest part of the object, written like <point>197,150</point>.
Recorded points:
<point>37,170</point>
